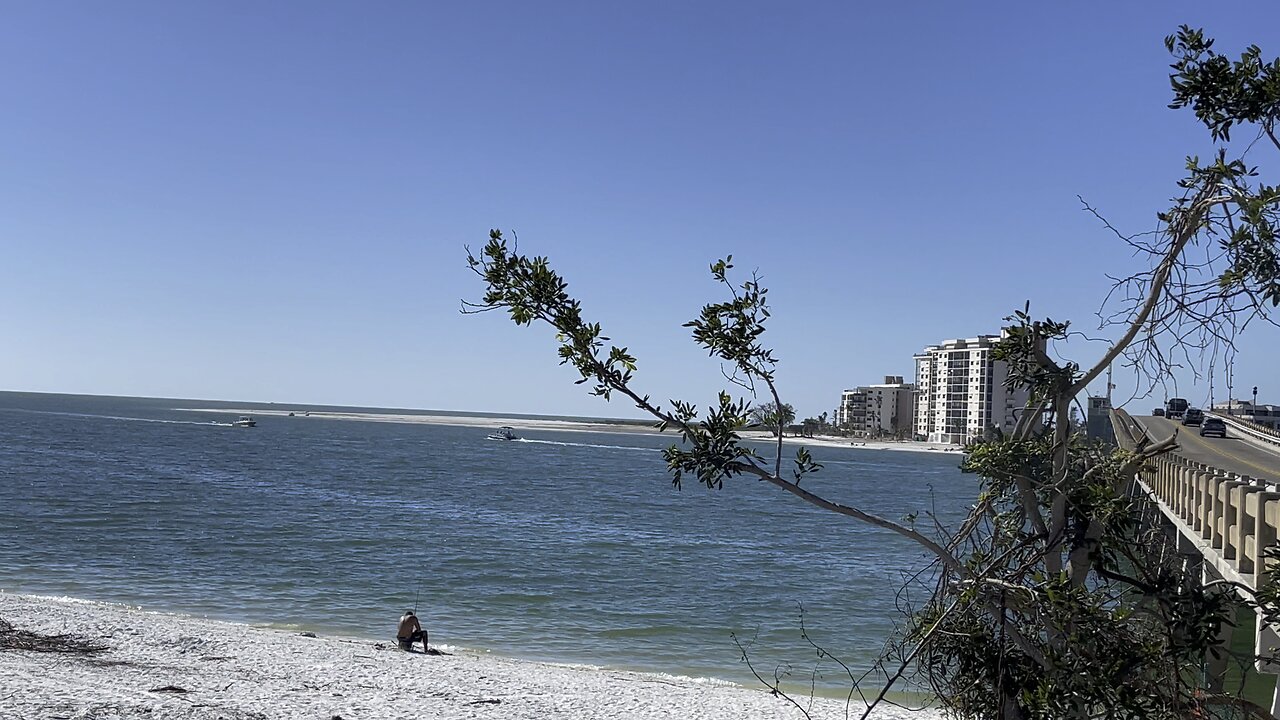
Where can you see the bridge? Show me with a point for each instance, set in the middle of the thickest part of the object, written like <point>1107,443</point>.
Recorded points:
<point>1220,499</point>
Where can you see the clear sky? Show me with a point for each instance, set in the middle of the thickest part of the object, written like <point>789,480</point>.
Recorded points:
<point>269,201</point>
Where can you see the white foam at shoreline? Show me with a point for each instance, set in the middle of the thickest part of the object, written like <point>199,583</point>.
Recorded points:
<point>235,671</point>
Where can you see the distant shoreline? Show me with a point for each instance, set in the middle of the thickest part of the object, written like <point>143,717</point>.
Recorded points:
<point>620,427</point>
<point>263,406</point>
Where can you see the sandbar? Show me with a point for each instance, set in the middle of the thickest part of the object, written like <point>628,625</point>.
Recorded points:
<point>629,427</point>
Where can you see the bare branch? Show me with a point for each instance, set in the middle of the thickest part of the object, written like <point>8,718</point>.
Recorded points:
<point>1186,227</point>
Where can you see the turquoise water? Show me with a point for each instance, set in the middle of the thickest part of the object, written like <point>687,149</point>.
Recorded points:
<point>566,547</point>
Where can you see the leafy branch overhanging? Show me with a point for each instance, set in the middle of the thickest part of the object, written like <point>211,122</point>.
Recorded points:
<point>1058,596</point>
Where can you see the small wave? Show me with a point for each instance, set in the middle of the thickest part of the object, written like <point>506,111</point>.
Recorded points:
<point>589,445</point>
<point>643,632</point>
<point>74,600</point>
<point>715,682</point>
<point>880,466</point>
<point>528,598</point>
<point>669,677</point>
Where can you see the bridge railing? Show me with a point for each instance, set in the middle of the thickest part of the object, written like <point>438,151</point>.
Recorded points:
<point>1231,520</point>
<point>1236,516</point>
<point>1127,430</point>
<point>1252,429</point>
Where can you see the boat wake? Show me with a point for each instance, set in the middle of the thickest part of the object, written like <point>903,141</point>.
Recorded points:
<point>589,445</point>
<point>116,417</point>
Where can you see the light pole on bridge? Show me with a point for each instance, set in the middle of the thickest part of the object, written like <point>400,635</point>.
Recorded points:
<point>1229,392</point>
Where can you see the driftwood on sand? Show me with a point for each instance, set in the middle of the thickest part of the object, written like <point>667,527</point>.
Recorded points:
<point>12,638</point>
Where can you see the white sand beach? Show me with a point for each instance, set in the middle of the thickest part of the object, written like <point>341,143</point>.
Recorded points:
<point>844,442</point>
<point>621,427</point>
<point>173,666</point>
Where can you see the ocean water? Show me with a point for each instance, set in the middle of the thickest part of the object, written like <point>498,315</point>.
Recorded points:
<point>565,547</point>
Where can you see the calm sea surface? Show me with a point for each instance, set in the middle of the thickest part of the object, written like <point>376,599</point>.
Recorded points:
<point>567,547</point>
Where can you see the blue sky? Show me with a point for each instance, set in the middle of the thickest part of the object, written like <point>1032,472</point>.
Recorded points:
<point>270,201</point>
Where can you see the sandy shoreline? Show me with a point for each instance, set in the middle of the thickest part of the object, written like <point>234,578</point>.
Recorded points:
<point>621,427</point>
<point>234,671</point>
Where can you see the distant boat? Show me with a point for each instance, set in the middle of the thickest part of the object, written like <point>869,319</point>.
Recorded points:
<point>503,433</point>
<point>244,421</point>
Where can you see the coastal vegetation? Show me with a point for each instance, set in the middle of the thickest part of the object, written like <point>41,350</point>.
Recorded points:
<point>773,416</point>
<point>1058,596</point>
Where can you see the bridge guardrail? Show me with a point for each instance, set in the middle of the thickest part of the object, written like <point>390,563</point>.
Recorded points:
<point>1231,520</point>
<point>1253,430</point>
<point>1126,432</point>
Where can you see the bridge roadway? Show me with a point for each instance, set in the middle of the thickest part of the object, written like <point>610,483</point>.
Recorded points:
<point>1232,454</point>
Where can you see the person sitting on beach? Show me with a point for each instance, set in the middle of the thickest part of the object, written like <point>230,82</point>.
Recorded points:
<point>410,631</point>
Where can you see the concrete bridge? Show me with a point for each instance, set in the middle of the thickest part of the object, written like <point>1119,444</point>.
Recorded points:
<point>1221,501</point>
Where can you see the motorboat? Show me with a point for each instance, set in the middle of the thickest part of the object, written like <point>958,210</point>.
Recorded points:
<point>244,421</point>
<point>505,432</point>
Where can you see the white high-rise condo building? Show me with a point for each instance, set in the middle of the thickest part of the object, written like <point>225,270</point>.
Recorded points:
<point>960,392</point>
<point>878,410</point>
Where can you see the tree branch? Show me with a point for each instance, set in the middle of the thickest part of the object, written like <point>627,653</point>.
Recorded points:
<point>1188,225</point>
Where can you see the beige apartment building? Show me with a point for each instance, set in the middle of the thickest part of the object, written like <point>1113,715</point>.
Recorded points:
<point>880,410</point>
<point>960,392</point>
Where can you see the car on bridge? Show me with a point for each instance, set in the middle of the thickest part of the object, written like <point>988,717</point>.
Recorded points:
<point>1192,416</point>
<point>1213,426</point>
<point>1158,412</point>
